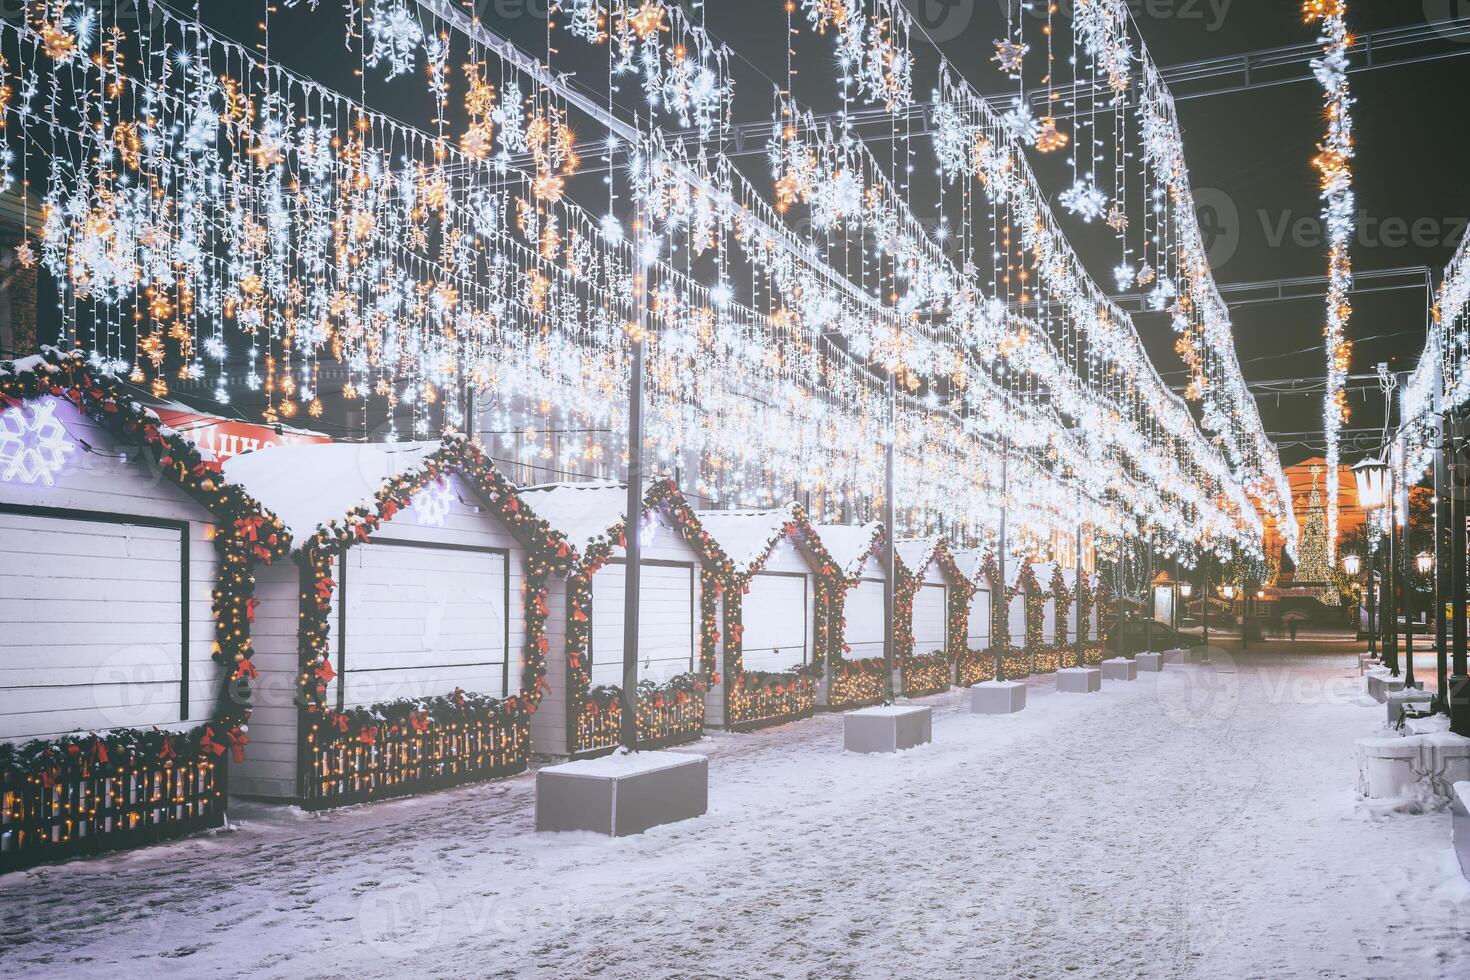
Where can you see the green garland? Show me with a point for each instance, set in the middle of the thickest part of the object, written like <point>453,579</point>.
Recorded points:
<point>547,553</point>
<point>245,535</point>
<point>597,713</point>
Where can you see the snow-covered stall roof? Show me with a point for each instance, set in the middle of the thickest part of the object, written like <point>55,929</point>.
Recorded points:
<point>308,486</point>
<point>1013,571</point>
<point>850,544</point>
<point>1043,571</point>
<point>583,513</point>
<point>971,563</point>
<point>916,553</point>
<point>746,535</point>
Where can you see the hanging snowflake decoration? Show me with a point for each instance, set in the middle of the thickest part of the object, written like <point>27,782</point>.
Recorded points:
<point>1118,218</point>
<point>1049,138</point>
<point>1019,120</point>
<point>434,503</point>
<point>33,443</point>
<point>1085,199</point>
<point>395,35</point>
<point>1123,276</point>
<point>1146,275</point>
<point>1010,55</point>
<point>25,255</point>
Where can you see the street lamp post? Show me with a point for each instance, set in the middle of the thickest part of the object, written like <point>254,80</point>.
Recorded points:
<point>1374,493</point>
<point>1459,681</point>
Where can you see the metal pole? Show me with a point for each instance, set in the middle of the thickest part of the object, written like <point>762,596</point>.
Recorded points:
<point>1205,601</point>
<point>1372,589</point>
<point>1459,681</point>
<point>1148,584</point>
<point>633,522</point>
<point>890,584</point>
<point>1122,587</point>
<point>1390,593</point>
<point>1405,600</point>
<point>1076,604</point>
<point>1005,606</point>
<point>1441,561</point>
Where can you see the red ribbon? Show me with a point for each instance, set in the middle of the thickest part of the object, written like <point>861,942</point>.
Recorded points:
<point>238,741</point>
<point>324,671</point>
<point>208,744</point>
<point>246,669</point>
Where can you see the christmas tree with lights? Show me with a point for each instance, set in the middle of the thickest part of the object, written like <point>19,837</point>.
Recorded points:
<point>1313,569</point>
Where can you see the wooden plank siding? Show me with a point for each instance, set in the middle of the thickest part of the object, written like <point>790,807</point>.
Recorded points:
<point>106,582</point>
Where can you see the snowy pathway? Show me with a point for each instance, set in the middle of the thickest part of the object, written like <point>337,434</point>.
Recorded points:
<point>1197,824</point>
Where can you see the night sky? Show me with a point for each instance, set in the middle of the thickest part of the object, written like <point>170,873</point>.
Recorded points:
<point>1249,153</point>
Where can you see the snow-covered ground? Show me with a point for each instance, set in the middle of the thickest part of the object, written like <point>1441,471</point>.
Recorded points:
<point>1201,823</point>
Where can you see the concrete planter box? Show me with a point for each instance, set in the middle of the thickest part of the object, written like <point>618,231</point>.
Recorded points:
<point>1120,669</point>
<point>1149,663</point>
<point>1180,657</point>
<point>1381,685</point>
<point>1406,699</point>
<point>887,729</point>
<point>622,794</point>
<point>1079,680</point>
<point>1419,765</point>
<point>998,698</point>
<point>1461,811</point>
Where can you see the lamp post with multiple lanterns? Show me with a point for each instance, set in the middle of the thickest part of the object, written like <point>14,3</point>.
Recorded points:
<point>1352,564</point>
<point>1375,492</point>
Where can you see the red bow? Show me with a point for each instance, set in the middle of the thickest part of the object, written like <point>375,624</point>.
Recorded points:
<point>324,587</point>
<point>246,669</point>
<point>208,744</point>
<point>238,741</point>
<point>324,671</point>
<point>368,735</point>
<point>419,720</point>
<point>167,751</point>
<point>250,606</point>
<point>340,721</point>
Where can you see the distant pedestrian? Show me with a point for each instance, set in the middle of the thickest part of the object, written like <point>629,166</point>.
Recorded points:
<point>1291,625</point>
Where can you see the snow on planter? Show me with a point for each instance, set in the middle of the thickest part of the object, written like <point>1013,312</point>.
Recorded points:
<point>126,672</point>
<point>854,674</point>
<point>775,614</point>
<point>931,613</point>
<point>405,650</point>
<point>678,643</point>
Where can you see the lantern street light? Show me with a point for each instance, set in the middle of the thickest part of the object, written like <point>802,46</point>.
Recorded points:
<point>1374,480</point>
<point>1186,589</point>
<point>1352,564</point>
<point>1424,562</point>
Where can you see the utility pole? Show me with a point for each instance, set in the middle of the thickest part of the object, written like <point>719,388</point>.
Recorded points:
<point>890,564</point>
<point>1005,605</point>
<point>633,522</point>
<point>1442,552</point>
<point>1459,681</point>
<point>1077,595</point>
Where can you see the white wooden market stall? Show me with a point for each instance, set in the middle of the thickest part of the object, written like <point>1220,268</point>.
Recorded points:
<point>406,629</point>
<point>932,609</point>
<point>855,664</point>
<point>774,615</point>
<point>678,636</point>
<point>124,618</point>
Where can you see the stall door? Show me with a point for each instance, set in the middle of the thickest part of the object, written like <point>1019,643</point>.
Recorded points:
<point>666,622</point>
<point>930,616</point>
<point>864,615</point>
<point>977,633</point>
<point>777,617</point>
<point>420,620</point>
<point>92,622</point>
<point>1016,619</point>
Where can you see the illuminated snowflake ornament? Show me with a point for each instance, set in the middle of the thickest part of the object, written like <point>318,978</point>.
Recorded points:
<point>33,444</point>
<point>1085,199</point>
<point>434,504</point>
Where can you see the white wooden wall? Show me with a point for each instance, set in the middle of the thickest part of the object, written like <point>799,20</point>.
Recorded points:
<point>863,612</point>
<point>930,616</point>
<point>977,634</point>
<point>1049,620</point>
<point>778,613</point>
<point>1016,619</point>
<point>92,611</point>
<point>668,609</point>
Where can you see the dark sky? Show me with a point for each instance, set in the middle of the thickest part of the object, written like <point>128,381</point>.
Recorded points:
<point>1249,153</point>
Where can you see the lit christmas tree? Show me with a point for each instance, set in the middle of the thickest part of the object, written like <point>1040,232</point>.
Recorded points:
<point>1313,568</point>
